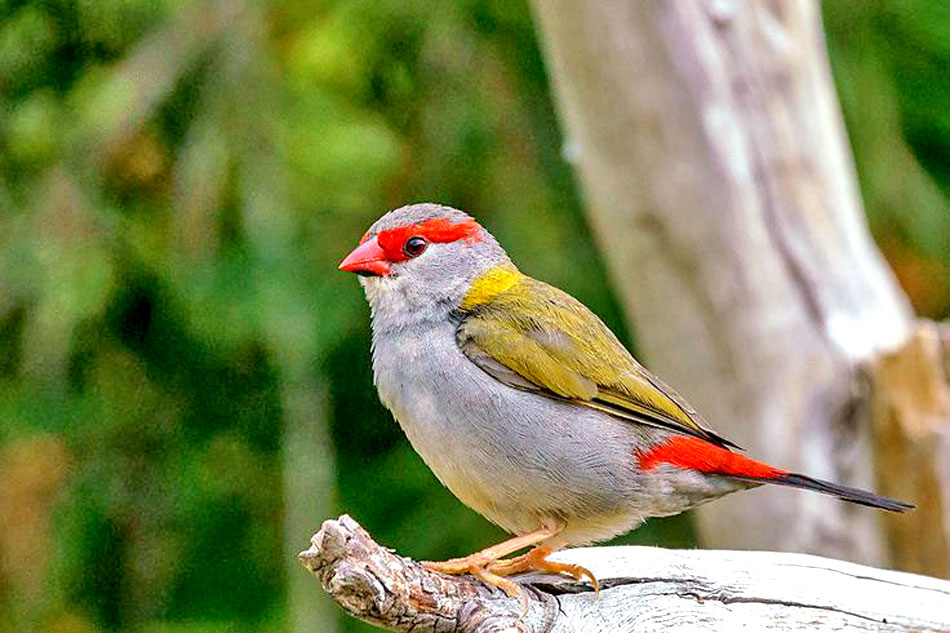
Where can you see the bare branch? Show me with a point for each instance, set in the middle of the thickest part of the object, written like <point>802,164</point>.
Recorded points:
<point>644,589</point>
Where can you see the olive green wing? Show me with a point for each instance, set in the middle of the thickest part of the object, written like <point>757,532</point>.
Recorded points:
<point>537,338</point>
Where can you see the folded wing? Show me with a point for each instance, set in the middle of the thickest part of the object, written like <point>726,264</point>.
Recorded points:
<point>534,337</point>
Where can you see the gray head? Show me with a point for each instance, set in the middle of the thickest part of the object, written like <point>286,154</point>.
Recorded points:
<point>417,262</point>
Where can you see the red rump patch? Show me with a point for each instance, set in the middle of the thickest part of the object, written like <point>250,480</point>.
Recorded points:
<point>695,454</point>
<point>435,231</point>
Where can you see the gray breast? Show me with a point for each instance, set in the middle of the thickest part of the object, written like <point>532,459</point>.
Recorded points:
<point>512,456</point>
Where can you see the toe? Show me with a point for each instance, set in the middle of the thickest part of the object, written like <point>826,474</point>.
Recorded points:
<point>511,588</point>
<point>456,566</point>
<point>580,572</point>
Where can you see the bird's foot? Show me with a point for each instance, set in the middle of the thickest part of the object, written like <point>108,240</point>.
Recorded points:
<point>486,566</point>
<point>536,560</point>
<point>478,565</point>
<point>493,571</point>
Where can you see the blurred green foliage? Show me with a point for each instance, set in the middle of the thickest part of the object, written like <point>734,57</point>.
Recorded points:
<point>178,180</point>
<point>890,61</point>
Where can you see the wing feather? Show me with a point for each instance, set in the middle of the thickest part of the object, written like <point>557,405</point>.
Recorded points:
<point>534,337</point>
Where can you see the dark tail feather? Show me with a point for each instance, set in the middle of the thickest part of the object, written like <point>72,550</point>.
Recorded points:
<point>854,495</point>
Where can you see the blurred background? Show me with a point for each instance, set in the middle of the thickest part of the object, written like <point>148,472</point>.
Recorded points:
<point>185,388</point>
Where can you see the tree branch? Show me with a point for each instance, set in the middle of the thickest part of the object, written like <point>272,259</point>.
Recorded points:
<point>643,589</point>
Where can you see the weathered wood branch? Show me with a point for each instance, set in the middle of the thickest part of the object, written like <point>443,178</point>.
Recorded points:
<point>643,589</point>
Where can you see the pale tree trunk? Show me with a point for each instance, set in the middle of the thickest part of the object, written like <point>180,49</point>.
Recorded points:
<point>710,148</point>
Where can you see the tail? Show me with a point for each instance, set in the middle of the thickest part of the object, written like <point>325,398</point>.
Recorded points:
<point>854,495</point>
<point>692,453</point>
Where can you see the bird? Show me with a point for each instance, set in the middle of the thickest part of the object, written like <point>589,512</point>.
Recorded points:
<point>527,407</point>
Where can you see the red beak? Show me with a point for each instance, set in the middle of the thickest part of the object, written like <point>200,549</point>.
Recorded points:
<point>366,259</point>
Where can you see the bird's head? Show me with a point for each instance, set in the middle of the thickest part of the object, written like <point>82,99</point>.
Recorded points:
<point>417,262</point>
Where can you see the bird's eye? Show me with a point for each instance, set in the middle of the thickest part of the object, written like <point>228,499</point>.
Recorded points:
<point>414,246</point>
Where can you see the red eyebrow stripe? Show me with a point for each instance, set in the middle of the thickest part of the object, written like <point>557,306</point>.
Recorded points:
<point>436,231</point>
<point>695,454</point>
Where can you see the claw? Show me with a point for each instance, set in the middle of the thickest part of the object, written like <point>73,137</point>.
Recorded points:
<point>536,559</point>
<point>578,572</point>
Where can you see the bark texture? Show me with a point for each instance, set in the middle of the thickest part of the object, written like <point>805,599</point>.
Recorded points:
<point>644,589</point>
<point>710,147</point>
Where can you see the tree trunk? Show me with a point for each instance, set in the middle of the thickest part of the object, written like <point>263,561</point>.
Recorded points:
<point>643,589</point>
<point>709,144</point>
